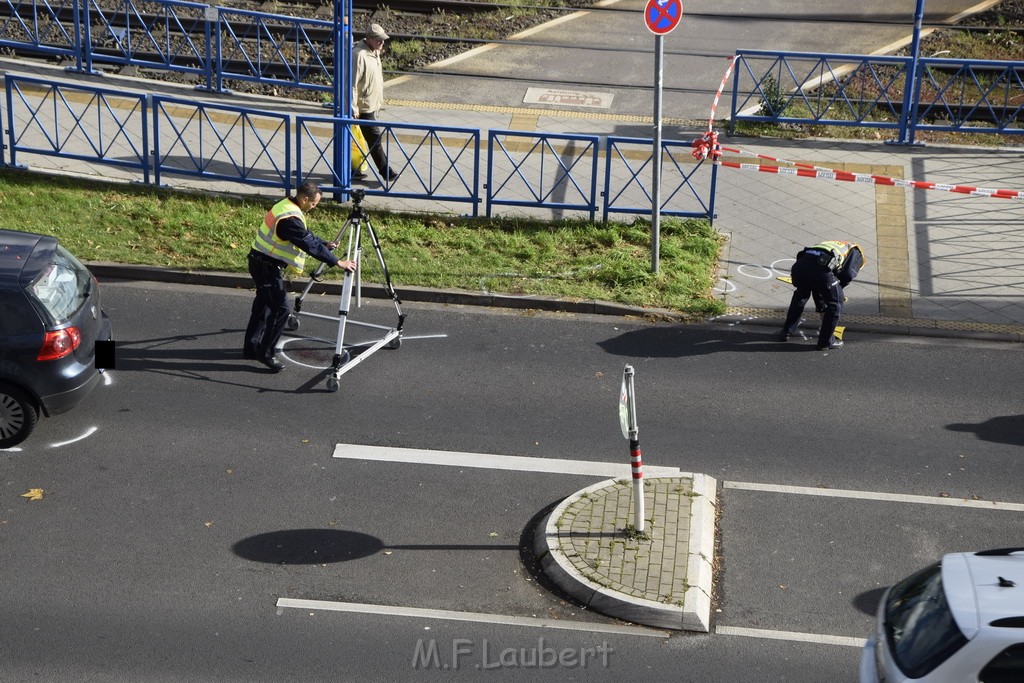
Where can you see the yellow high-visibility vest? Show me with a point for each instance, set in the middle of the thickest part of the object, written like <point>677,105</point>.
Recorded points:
<point>267,242</point>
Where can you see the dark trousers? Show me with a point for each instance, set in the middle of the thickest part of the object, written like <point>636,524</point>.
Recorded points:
<point>372,134</point>
<point>812,279</point>
<point>270,308</point>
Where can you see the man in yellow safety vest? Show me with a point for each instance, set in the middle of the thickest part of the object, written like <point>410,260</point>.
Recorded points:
<point>282,241</point>
<point>822,271</point>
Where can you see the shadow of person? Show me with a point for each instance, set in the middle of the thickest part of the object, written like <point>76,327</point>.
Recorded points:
<point>1008,429</point>
<point>683,341</point>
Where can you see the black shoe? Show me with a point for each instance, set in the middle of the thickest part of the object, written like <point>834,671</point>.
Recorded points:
<point>272,363</point>
<point>391,175</point>
<point>784,336</point>
<point>249,354</point>
<point>834,344</point>
<point>358,175</point>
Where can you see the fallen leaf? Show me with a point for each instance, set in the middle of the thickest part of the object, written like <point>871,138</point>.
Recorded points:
<point>207,524</point>
<point>33,494</point>
<point>493,534</point>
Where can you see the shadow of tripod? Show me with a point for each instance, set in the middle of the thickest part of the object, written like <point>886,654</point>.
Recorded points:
<point>351,234</point>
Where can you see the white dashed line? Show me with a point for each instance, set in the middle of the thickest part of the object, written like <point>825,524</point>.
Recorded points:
<point>874,495</point>
<point>479,617</point>
<point>791,635</point>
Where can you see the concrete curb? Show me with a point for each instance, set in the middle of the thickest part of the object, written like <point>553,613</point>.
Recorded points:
<point>695,612</point>
<point>756,317</point>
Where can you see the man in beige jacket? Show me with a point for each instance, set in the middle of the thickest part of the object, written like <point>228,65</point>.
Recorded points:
<point>368,94</point>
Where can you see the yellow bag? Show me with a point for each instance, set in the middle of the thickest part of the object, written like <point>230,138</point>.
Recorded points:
<point>359,164</point>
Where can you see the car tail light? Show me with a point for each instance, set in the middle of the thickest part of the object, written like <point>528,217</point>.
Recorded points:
<point>59,343</point>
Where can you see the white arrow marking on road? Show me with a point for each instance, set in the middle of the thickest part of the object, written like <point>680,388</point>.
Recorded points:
<point>498,462</point>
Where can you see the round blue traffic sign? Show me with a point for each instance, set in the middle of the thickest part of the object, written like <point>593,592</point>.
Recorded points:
<point>661,16</point>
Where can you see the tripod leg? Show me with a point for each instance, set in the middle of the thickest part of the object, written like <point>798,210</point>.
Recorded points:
<point>387,276</point>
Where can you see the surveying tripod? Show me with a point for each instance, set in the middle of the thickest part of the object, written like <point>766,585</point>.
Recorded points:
<point>351,234</point>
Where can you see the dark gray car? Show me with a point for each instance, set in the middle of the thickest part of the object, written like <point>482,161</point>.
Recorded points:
<point>50,323</point>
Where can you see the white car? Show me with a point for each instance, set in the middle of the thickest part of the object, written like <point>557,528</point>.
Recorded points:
<point>957,621</point>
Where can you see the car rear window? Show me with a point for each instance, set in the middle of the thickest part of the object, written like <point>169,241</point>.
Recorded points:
<point>62,287</point>
<point>919,625</point>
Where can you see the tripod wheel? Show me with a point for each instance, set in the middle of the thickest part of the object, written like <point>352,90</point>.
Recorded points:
<point>292,324</point>
<point>395,343</point>
<point>332,384</point>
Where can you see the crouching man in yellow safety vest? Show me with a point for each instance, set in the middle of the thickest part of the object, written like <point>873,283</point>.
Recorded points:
<point>822,271</point>
<point>282,241</point>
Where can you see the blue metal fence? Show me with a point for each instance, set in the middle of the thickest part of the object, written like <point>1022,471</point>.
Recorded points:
<point>878,92</point>
<point>687,190</point>
<point>553,171</point>
<point>42,26</point>
<point>221,142</point>
<point>274,49</point>
<point>255,147</point>
<point>169,35</point>
<point>435,162</point>
<point>96,125</point>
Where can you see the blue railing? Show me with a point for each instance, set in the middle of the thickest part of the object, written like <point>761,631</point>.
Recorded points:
<point>254,147</point>
<point>177,37</point>
<point>435,162</point>
<point>96,125</point>
<point>553,171</point>
<point>878,92</point>
<point>221,142</point>
<point>629,164</point>
<point>274,49</point>
<point>42,26</point>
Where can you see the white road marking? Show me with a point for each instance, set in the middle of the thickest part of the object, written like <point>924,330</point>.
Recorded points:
<point>874,495</point>
<point>479,617</point>
<point>791,635</point>
<point>89,432</point>
<point>499,462</point>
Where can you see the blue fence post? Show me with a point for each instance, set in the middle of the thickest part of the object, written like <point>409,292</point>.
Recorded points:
<point>87,42</point>
<point>149,157</point>
<point>210,15</point>
<point>908,123</point>
<point>218,42</point>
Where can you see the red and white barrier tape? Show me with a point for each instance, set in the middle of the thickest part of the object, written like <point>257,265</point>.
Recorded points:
<point>707,146</point>
<point>872,179</point>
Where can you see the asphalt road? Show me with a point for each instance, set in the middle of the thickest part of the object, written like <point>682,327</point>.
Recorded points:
<point>207,492</point>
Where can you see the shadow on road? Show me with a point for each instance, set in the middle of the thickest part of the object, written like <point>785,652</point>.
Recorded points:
<point>679,342</point>
<point>325,546</point>
<point>1007,429</point>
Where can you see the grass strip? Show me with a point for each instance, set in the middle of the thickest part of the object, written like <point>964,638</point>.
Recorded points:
<point>572,259</point>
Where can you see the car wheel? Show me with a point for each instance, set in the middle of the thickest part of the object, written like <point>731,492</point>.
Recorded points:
<point>18,416</point>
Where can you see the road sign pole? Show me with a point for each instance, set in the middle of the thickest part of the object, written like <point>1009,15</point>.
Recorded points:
<point>659,75</point>
<point>660,16</point>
